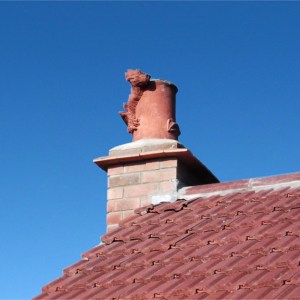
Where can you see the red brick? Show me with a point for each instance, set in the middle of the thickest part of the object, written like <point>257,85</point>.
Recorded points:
<point>168,163</point>
<point>152,165</point>
<point>140,190</point>
<point>159,175</point>
<point>123,204</point>
<point>111,205</point>
<point>115,170</point>
<point>145,201</point>
<point>167,186</point>
<point>124,179</point>
<point>115,193</point>
<point>127,213</point>
<point>134,167</point>
<point>112,227</point>
<point>114,217</point>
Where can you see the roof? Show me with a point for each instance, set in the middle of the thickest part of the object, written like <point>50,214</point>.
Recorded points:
<point>232,240</point>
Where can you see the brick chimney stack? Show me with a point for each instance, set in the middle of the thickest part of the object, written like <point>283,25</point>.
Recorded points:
<point>152,168</point>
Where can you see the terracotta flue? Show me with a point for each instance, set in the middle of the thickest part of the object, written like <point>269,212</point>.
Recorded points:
<point>150,111</point>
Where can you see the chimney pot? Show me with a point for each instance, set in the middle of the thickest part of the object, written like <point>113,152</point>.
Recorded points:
<point>150,111</point>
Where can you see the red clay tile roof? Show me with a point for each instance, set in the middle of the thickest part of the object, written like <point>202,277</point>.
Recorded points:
<point>236,240</point>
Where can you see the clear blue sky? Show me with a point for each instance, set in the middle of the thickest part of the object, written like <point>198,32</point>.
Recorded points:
<point>62,64</point>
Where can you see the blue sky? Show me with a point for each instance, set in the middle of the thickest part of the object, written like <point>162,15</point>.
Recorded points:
<point>62,64</point>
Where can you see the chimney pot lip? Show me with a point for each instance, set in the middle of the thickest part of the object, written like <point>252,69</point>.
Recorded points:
<point>166,82</point>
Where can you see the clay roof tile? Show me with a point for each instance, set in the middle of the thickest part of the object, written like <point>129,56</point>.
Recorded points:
<point>241,245</point>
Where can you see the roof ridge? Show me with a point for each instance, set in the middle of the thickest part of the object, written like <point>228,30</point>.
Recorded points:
<point>240,186</point>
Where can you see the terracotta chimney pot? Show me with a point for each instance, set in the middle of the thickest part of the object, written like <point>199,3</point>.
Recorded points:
<point>151,109</point>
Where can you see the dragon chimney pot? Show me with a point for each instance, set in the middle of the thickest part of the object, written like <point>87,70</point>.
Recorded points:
<point>150,111</point>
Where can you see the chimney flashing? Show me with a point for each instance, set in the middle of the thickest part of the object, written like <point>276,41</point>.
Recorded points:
<point>157,199</point>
